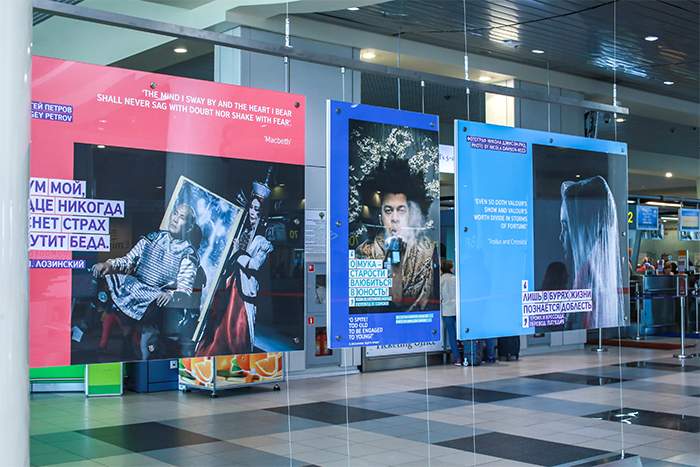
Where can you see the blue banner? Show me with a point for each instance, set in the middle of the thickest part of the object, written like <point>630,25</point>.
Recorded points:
<point>647,217</point>
<point>533,209</point>
<point>383,200</point>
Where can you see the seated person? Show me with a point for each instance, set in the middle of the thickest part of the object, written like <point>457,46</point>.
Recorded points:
<point>161,266</point>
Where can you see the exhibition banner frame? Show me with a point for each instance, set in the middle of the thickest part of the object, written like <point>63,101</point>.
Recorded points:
<point>365,144</point>
<point>518,271</point>
<point>125,162</point>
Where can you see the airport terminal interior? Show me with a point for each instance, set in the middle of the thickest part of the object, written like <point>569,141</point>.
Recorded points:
<point>351,233</point>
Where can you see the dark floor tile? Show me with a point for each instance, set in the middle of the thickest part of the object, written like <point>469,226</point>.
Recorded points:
<point>522,449</point>
<point>660,366</point>
<point>590,380</point>
<point>149,436</point>
<point>669,421</point>
<point>327,412</point>
<point>466,393</point>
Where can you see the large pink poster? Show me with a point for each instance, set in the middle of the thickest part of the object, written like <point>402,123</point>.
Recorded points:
<point>166,216</point>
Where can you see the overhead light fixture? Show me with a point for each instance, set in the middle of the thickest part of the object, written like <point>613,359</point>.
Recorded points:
<point>669,218</point>
<point>669,83</point>
<point>100,146</point>
<point>354,8</point>
<point>578,175</point>
<point>180,50</point>
<point>664,204</point>
<point>484,78</point>
<point>620,120</point>
<point>537,51</point>
<point>631,201</point>
<point>651,38</point>
<point>368,55</point>
<point>668,174</point>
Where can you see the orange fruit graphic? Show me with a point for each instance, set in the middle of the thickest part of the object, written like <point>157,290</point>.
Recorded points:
<point>203,369</point>
<point>267,366</point>
<point>243,361</point>
<point>256,357</point>
<point>223,363</point>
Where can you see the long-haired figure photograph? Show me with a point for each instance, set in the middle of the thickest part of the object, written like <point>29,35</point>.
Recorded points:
<point>579,217</point>
<point>394,204</point>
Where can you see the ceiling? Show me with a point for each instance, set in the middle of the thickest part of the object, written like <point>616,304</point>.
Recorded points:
<point>576,35</point>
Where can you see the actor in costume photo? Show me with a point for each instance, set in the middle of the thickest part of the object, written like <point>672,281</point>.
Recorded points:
<point>402,243</point>
<point>394,192</point>
<point>162,265</point>
<point>232,324</point>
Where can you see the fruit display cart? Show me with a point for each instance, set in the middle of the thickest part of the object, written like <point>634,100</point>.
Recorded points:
<point>230,371</point>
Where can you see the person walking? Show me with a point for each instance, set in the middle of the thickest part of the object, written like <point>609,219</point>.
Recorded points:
<point>448,301</point>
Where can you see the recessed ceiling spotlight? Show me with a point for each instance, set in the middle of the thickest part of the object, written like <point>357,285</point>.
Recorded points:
<point>180,50</point>
<point>537,51</point>
<point>354,8</point>
<point>100,146</point>
<point>669,83</point>
<point>368,55</point>
<point>668,174</point>
<point>484,78</point>
<point>620,120</point>
<point>651,38</point>
<point>578,175</point>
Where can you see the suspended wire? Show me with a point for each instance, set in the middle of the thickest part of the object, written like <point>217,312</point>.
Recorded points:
<point>619,331</point>
<point>466,56</point>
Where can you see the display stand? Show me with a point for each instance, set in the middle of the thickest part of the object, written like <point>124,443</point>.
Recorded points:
<point>600,347</point>
<point>104,379</point>
<point>639,303</point>
<point>681,292</point>
<point>213,374</point>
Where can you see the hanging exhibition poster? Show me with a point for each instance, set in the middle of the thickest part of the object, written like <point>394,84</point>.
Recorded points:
<point>227,371</point>
<point>689,224</point>
<point>383,226</point>
<point>166,217</point>
<point>542,231</point>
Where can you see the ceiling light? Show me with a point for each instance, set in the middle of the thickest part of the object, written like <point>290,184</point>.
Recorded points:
<point>669,218</point>
<point>100,146</point>
<point>668,174</point>
<point>620,120</point>
<point>180,50</point>
<point>537,51</point>
<point>651,38</point>
<point>631,201</point>
<point>669,83</point>
<point>484,78</point>
<point>368,55</point>
<point>663,204</point>
<point>354,8</point>
<point>578,175</point>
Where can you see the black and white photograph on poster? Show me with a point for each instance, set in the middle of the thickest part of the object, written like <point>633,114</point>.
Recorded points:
<point>394,194</point>
<point>207,260</point>
<point>579,214</point>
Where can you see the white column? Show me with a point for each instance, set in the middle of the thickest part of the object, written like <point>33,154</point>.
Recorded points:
<point>15,80</point>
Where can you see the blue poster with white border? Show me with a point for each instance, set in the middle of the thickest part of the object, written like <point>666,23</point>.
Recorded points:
<point>383,226</point>
<point>541,226</point>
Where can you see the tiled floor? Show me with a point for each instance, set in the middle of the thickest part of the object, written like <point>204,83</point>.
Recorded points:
<point>562,409</point>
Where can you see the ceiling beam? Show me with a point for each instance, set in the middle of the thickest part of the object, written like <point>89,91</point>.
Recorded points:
<point>167,29</point>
